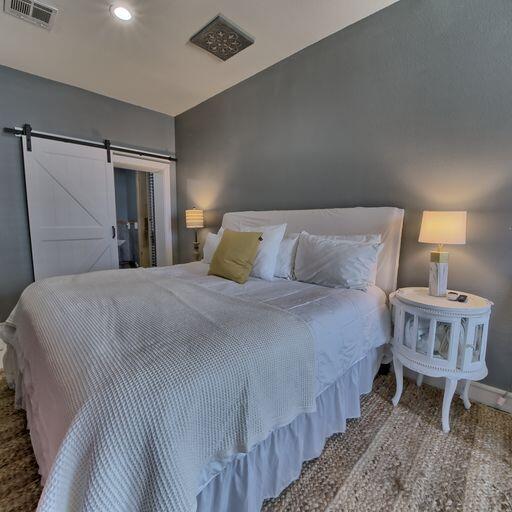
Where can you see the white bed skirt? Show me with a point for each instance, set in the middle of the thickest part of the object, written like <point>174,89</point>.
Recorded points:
<point>276,462</point>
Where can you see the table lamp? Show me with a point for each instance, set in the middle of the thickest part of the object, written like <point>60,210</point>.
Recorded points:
<point>441,228</point>
<point>194,219</point>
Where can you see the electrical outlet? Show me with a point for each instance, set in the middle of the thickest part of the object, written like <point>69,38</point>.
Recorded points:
<point>501,400</point>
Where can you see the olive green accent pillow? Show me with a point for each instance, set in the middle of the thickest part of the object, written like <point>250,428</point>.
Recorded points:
<point>235,255</point>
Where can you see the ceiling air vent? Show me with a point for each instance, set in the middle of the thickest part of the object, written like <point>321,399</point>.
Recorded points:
<point>222,38</point>
<point>33,12</point>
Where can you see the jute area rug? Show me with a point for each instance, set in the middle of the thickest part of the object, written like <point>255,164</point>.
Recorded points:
<point>391,459</point>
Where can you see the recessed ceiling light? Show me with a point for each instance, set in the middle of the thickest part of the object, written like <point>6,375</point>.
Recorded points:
<point>121,12</point>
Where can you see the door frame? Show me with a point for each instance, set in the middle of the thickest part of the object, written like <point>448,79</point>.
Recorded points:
<point>165,198</point>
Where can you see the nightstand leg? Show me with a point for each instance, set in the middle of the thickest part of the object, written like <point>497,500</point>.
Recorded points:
<point>465,394</point>
<point>449,391</point>
<point>419,380</point>
<point>399,375</point>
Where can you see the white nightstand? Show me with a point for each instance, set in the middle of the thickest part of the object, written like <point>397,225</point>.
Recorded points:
<point>439,338</point>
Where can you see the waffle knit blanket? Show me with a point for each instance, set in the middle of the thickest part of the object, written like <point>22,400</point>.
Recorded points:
<point>159,377</point>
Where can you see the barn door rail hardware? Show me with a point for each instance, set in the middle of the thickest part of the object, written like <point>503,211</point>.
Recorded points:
<point>29,133</point>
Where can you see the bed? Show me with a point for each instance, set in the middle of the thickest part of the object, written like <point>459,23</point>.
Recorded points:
<point>348,329</point>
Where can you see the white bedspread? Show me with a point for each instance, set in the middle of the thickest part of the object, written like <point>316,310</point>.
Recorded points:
<point>155,378</point>
<point>346,324</point>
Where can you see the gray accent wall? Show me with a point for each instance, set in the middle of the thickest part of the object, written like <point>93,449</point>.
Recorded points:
<point>54,107</point>
<point>411,107</point>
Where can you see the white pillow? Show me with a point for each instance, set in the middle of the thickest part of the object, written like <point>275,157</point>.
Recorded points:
<point>336,262</point>
<point>265,262</point>
<point>372,238</point>
<point>286,256</point>
<point>210,246</point>
<point>351,238</point>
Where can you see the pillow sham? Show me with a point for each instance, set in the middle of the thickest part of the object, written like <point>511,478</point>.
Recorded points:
<point>336,262</point>
<point>372,238</point>
<point>285,260</point>
<point>210,246</point>
<point>265,261</point>
<point>235,255</point>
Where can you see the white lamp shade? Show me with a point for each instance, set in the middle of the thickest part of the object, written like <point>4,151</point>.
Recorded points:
<point>194,218</point>
<point>443,228</point>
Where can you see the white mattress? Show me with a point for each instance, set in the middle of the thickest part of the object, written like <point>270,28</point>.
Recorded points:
<point>346,324</point>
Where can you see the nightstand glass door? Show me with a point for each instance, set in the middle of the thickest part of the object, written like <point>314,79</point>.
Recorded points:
<point>476,343</point>
<point>423,336</point>
<point>446,344</point>
<point>442,340</point>
<point>408,335</point>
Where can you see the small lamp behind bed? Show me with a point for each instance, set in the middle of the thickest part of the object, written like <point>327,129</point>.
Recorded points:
<point>441,228</point>
<point>194,219</point>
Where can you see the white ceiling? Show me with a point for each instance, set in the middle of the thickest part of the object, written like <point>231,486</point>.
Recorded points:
<point>149,61</point>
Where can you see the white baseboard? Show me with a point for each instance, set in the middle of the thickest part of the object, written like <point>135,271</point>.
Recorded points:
<point>478,392</point>
<point>3,347</point>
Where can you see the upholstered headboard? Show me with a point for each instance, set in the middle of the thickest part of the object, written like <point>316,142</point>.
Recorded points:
<point>338,221</point>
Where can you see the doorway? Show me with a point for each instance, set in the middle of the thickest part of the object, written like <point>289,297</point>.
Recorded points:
<point>145,192</point>
<point>135,217</point>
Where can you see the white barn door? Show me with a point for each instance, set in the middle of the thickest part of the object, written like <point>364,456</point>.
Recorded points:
<point>71,207</point>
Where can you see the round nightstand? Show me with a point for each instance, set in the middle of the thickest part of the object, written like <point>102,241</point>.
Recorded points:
<point>439,338</point>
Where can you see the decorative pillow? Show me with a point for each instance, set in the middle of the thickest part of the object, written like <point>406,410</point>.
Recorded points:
<point>210,246</point>
<point>235,255</point>
<point>285,260</point>
<point>335,262</point>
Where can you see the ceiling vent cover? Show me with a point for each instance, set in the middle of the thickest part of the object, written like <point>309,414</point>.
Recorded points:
<point>222,38</point>
<point>33,12</point>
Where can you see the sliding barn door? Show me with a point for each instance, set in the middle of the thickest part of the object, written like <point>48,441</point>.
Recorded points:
<point>71,206</point>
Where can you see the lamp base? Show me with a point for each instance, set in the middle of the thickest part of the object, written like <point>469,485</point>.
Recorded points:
<point>197,255</point>
<point>438,275</point>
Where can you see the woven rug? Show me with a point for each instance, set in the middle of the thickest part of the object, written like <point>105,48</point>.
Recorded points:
<point>389,459</point>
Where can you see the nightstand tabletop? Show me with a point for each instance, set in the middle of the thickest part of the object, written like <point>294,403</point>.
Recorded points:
<point>419,296</point>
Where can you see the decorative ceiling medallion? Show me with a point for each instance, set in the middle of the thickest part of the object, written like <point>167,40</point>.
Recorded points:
<point>222,38</point>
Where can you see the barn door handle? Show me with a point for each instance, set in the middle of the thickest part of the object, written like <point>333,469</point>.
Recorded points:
<point>113,231</point>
